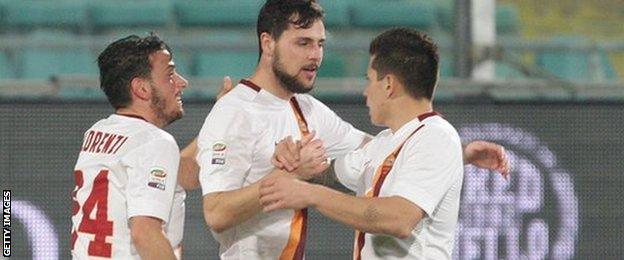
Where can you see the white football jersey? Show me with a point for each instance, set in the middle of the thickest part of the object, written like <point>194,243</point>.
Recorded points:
<point>126,167</point>
<point>236,143</point>
<point>175,227</point>
<point>428,171</point>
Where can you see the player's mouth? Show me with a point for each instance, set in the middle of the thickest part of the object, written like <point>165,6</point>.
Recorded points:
<point>179,99</point>
<point>310,71</point>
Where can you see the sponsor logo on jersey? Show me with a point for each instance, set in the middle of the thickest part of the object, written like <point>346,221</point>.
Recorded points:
<point>158,172</point>
<point>157,178</point>
<point>157,185</point>
<point>219,146</point>
<point>219,153</point>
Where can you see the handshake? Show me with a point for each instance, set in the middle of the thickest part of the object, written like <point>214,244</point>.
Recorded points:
<point>298,162</point>
<point>305,159</point>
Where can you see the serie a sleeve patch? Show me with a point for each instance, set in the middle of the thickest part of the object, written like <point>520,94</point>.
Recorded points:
<point>219,152</point>
<point>157,177</point>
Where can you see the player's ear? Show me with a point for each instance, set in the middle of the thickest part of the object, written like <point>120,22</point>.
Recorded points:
<point>140,89</point>
<point>390,85</point>
<point>267,42</point>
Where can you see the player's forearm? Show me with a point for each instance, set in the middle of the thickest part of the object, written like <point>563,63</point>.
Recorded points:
<point>223,210</point>
<point>367,138</point>
<point>328,178</point>
<point>389,216</point>
<point>155,247</point>
<point>464,154</point>
<point>188,172</point>
<point>149,240</point>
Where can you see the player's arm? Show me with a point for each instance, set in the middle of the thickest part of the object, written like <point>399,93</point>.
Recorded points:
<point>394,216</point>
<point>149,239</point>
<point>152,175</point>
<point>487,155</point>
<point>226,143</point>
<point>188,174</point>
<point>225,209</point>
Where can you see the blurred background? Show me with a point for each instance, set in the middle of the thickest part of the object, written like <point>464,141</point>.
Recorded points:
<point>542,78</point>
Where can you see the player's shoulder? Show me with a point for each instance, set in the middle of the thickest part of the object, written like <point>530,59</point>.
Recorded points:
<point>162,135</point>
<point>310,104</point>
<point>145,132</point>
<point>441,124</point>
<point>386,133</point>
<point>240,93</point>
<point>240,98</point>
<point>440,130</point>
<point>309,100</point>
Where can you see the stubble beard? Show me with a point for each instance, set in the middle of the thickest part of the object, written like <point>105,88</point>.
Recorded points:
<point>158,105</point>
<point>290,82</point>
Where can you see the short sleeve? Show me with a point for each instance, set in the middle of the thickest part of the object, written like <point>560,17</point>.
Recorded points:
<point>351,167</point>
<point>225,145</point>
<point>428,166</point>
<point>338,136</point>
<point>152,177</point>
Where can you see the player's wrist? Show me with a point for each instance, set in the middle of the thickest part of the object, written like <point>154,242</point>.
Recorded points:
<point>312,192</point>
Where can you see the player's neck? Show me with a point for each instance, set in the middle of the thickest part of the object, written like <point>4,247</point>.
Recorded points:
<point>266,79</point>
<point>404,111</point>
<point>141,113</point>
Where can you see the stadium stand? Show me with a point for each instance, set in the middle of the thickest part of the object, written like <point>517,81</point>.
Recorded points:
<point>6,70</point>
<point>339,15</point>
<point>107,14</point>
<point>379,14</point>
<point>29,14</point>
<point>576,64</point>
<point>334,65</point>
<point>217,13</point>
<point>41,62</point>
<point>209,31</point>
<point>507,19</point>
<point>219,63</point>
<point>26,89</point>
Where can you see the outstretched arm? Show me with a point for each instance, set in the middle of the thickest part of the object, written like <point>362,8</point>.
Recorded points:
<point>487,155</point>
<point>223,210</point>
<point>394,216</point>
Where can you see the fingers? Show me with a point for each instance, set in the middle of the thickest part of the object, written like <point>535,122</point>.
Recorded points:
<point>286,154</point>
<point>270,195</point>
<point>227,83</point>
<point>502,162</point>
<point>317,143</point>
<point>307,138</point>
<point>227,86</point>
<point>267,188</point>
<point>277,163</point>
<point>285,162</point>
<point>273,206</point>
<point>505,167</point>
<point>322,167</point>
<point>268,199</point>
<point>293,148</point>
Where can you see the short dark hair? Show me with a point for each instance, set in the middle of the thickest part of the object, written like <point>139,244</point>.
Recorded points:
<point>276,15</point>
<point>411,56</point>
<point>124,60</point>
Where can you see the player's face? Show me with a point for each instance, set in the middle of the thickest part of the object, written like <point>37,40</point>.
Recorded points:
<point>167,86</point>
<point>298,55</point>
<point>375,95</point>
